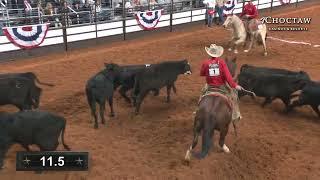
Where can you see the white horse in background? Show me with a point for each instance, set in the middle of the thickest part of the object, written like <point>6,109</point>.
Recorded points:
<point>256,30</point>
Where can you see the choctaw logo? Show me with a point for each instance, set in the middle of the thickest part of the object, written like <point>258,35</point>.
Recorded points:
<point>287,24</point>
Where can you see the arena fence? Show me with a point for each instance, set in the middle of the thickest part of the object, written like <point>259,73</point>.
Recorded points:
<point>99,21</point>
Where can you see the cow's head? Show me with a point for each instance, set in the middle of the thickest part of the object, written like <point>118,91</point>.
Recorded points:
<point>303,75</point>
<point>187,67</point>
<point>111,67</point>
<point>232,65</point>
<point>244,67</point>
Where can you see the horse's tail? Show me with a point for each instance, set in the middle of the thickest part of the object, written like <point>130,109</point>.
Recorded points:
<point>206,142</point>
<point>259,40</point>
<point>206,138</point>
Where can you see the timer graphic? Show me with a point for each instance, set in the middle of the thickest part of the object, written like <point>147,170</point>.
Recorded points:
<point>52,160</point>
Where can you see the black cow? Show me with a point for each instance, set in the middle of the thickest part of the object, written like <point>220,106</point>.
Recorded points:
<point>20,92</point>
<point>31,127</point>
<point>126,79</point>
<point>35,90</point>
<point>99,88</point>
<point>29,75</point>
<point>156,77</point>
<point>271,86</point>
<point>266,71</point>
<point>310,95</point>
<point>271,71</point>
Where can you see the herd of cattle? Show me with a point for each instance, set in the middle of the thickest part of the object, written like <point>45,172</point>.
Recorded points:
<point>44,128</point>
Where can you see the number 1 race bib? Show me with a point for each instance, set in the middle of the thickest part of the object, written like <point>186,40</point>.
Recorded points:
<point>214,70</point>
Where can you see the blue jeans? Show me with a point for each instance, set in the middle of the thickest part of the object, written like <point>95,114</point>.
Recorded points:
<point>209,17</point>
<point>219,10</point>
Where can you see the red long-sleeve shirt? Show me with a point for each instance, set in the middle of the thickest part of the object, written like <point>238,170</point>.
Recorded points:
<point>251,10</point>
<point>216,72</point>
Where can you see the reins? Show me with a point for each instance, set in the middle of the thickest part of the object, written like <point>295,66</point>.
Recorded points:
<point>250,92</point>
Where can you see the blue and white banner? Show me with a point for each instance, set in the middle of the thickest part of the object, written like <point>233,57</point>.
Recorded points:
<point>148,20</point>
<point>26,37</point>
<point>228,7</point>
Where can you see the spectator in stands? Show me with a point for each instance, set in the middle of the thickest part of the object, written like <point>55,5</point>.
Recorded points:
<point>210,10</point>
<point>74,16</point>
<point>219,9</point>
<point>85,17</point>
<point>76,6</point>
<point>49,9</point>
<point>49,12</point>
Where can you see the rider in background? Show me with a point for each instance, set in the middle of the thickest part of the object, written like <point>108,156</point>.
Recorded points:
<point>219,79</point>
<point>249,12</point>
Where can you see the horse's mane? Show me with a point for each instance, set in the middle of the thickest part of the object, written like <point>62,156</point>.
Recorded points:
<point>235,17</point>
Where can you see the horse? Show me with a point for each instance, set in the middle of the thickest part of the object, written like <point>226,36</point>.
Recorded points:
<point>256,31</point>
<point>214,113</point>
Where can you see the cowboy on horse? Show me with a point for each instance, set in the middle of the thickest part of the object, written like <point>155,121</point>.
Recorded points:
<point>219,79</point>
<point>218,104</point>
<point>249,12</point>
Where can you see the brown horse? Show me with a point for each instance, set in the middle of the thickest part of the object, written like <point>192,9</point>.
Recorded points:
<point>214,113</point>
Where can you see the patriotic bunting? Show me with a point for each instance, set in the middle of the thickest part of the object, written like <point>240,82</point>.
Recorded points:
<point>148,20</point>
<point>26,37</point>
<point>228,8</point>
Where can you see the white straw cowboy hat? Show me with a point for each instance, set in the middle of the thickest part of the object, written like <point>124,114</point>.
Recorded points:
<point>214,50</point>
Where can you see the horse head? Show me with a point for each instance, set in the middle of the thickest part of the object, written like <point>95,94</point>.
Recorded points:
<point>232,65</point>
<point>229,21</point>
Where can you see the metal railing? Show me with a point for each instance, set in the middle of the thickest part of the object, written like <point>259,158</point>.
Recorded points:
<point>88,13</point>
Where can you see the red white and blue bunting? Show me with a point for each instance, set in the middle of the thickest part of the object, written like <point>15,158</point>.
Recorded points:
<point>148,20</point>
<point>285,1</point>
<point>26,37</point>
<point>229,7</point>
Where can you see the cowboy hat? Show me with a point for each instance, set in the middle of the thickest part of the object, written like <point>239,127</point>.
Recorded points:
<point>214,50</point>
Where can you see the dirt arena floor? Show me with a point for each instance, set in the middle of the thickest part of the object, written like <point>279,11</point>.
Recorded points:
<point>270,145</point>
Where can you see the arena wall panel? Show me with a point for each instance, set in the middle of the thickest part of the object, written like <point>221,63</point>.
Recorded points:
<point>8,47</point>
<point>110,32</point>
<point>54,33</point>
<point>133,29</point>
<point>198,18</point>
<point>131,22</point>
<point>52,41</point>
<point>165,17</point>
<point>81,29</point>
<point>111,25</point>
<point>181,21</point>
<point>80,37</point>
<point>3,40</point>
<point>163,24</point>
<point>198,12</point>
<point>276,3</point>
<point>181,15</point>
